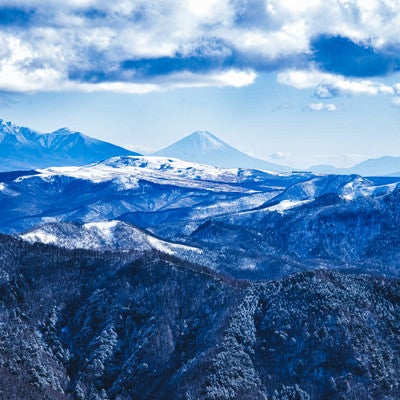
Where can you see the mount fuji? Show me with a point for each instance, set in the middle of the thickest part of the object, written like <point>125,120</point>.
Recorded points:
<point>22,148</point>
<point>205,148</point>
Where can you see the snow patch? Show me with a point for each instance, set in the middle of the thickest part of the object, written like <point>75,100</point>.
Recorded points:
<point>103,228</point>
<point>159,245</point>
<point>287,205</point>
<point>170,248</point>
<point>359,188</point>
<point>127,182</point>
<point>40,236</point>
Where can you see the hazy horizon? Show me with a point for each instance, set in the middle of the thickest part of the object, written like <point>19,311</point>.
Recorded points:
<point>146,151</point>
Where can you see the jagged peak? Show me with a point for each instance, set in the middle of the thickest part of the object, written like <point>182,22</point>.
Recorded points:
<point>8,125</point>
<point>4,122</point>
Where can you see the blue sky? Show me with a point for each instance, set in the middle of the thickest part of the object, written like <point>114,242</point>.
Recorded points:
<point>298,83</point>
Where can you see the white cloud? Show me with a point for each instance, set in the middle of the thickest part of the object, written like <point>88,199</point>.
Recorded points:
<point>375,21</point>
<point>396,88</point>
<point>96,36</point>
<point>209,10</point>
<point>326,85</point>
<point>289,39</point>
<point>119,87</point>
<point>322,107</point>
<point>235,78</point>
<point>232,77</point>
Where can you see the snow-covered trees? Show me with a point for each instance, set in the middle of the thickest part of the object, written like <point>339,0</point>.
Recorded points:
<point>86,325</point>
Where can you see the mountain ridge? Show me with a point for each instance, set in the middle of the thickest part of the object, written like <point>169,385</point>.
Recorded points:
<point>23,148</point>
<point>380,166</point>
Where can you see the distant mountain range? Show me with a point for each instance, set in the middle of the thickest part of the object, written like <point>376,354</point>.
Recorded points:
<point>22,148</point>
<point>205,148</point>
<point>382,166</point>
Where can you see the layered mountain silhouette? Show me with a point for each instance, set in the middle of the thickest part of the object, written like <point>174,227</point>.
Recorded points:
<point>149,277</point>
<point>381,166</point>
<point>205,148</point>
<point>22,148</point>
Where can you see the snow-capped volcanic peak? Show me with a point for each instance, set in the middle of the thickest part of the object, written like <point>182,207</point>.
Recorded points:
<point>205,148</point>
<point>192,146</point>
<point>205,141</point>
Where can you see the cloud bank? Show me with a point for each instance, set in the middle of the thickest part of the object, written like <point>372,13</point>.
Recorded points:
<point>140,46</point>
<point>328,85</point>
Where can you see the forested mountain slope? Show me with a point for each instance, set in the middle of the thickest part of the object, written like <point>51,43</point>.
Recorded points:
<point>81,324</point>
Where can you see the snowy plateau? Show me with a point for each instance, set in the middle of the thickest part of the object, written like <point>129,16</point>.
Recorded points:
<point>150,277</point>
